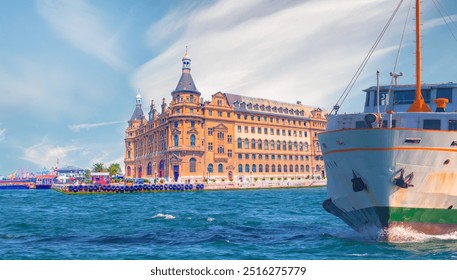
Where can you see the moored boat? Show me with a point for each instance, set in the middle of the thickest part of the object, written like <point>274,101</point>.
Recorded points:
<point>396,166</point>
<point>44,182</point>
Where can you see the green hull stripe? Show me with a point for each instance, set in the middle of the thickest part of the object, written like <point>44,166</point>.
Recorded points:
<point>420,215</point>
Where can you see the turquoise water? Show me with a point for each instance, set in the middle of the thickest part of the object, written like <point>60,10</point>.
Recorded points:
<point>254,224</point>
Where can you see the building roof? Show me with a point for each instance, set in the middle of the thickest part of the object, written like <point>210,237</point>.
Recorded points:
<point>137,114</point>
<point>186,84</point>
<point>246,103</point>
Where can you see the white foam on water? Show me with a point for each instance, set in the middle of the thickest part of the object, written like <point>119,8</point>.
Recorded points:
<point>164,216</point>
<point>210,219</point>
<point>409,235</point>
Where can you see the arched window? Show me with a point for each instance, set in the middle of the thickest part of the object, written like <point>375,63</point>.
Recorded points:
<point>296,168</point>
<point>246,143</point>
<point>191,99</point>
<point>317,147</point>
<point>306,146</point>
<point>302,168</point>
<point>254,168</point>
<point>259,144</point>
<point>285,168</point>
<point>279,168</point>
<point>192,140</point>
<point>295,146</point>
<point>318,168</point>
<point>260,168</point>
<point>307,168</point>
<point>220,168</point>
<point>291,168</point>
<point>272,145</point>
<point>192,165</point>
<point>301,146</point>
<point>176,140</point>
<point>246,168</point>
<point>273,168</point>
<point>267,168</point>
<point>240,168</point>
<point>284,145</point>
<point>240,144</point>
<point>265,144</point>
<point>129,171</point>
<point>149,169</point>
<point>253,144</point>
<point>210,168</point>
<point>290,145</point>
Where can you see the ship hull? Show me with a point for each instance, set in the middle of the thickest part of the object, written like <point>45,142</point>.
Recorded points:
<point>386,178</point>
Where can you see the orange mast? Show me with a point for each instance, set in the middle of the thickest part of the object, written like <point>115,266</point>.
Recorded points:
<point>419,104</point>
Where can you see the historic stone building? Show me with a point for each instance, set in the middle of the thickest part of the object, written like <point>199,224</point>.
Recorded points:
<point>229,138</point>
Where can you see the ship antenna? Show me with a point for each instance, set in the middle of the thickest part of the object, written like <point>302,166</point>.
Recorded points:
<point>419,104</point>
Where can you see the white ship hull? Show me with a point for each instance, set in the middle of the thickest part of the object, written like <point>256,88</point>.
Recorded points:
<point>391,177</point>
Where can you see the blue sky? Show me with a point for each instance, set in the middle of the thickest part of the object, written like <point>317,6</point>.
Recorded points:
<point>70,70</point>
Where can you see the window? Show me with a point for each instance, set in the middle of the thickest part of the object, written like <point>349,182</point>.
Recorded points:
<point>210,131</point>
<point>220,135</point>
<point>267,157</point>
<point>210,168</point>
<point>128,154</point>
<point>285,168</point>
<point>260,168</point>
<point>306,146</point>
<point>229,139</point>
<point>267,168</point>
<point>240,156</point>
<point>265,144</point>
<point>192,165</point>
<point>284,145</point>
<point>296,168</point>
<point>290,145</point>
<point>307,168</point>
<point>149,169</point>
<point>444,93</point>
<point>452,124</point>
<point>220,168</point>
<point>295,146</point>
<point>219,102</point>
<point>210,113</point>
<point>302,168</point>
<point>246,156</point>
<point>252,129</point>
<point>260,156</point>
<point>220,150</point>
<point>240,168</point>
<point>253,144</point>
<point>279,168</point>
<point>191,110</point>
<point>253,156</point>
<point>259,144</point>
<point>273,168</point>
<point>219,113</point>
<point>129,171</point>
<point>228,114</point>
<point>246,129</point>
<point>246,168</point>
<point>272,145</point>
<point>259,130</point>
<point>176,140</point>
<point>210,146</point>
<point>408,96</point>
<point>175,124</point>
<point>192,140</point>
<point>432,124</point>
<point>192,124</point>
<point>238,116</point>
<point>239,143</point>
<point>273,157</point>
<point>239,128</point>
<point>246,143</point>
<point>272,131</point>
<point>229,153</point>
<point>254,168</point>
<point>191,99</point>
<point>278,145</point>
<point>277,131</point>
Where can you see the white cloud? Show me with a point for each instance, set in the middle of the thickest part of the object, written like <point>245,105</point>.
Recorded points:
<point>45,153</point>
<point>304,51</point>
<point>82,25</point>
<point>2,134</point>
<point>78,127</point>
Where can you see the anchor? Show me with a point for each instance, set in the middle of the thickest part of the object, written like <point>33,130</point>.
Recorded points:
<point>358,184</point>
<point>404,182</point>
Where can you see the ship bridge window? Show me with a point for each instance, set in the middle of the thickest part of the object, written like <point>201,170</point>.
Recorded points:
<point>385,123</point>
<point>452,125</point>
<point>362,124</point>
<point>444,93</point>
<point>454,143</point>
<point>408,96</point>
<point>432,124</point>
<point>367,99</point>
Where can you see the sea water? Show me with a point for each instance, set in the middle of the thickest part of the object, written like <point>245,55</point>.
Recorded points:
<point>206,225</point>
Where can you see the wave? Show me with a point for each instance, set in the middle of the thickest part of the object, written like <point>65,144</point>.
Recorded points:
<point>164,216</point>
<point>210,219</point>
<point>409,235</point>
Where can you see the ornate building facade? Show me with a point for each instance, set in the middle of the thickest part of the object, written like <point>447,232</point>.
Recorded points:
<point>228,138</point>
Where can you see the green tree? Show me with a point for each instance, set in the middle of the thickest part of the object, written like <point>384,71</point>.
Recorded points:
<point>87,177</point>
<point>99,167</point>
<point>114,169</point>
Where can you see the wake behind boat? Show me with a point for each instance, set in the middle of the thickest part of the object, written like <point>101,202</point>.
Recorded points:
<point>395,164</point>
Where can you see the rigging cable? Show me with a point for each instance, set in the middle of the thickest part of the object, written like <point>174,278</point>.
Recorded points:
<point>398,57</point>
<point>437,3</point>
<point>364,62</point>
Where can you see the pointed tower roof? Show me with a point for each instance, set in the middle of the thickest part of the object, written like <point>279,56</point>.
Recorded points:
<point>138,113</point>
<point>186,83</point>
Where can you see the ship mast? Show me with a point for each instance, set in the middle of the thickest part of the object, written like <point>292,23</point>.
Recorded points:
<point>419,104</point>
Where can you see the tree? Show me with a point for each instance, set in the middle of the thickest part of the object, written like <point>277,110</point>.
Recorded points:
<point>98,167</point>
<point>115,169</point>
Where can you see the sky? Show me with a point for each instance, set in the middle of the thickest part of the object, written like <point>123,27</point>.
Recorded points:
<point>70,70</point>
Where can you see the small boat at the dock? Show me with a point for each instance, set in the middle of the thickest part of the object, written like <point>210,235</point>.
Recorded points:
<point>44,182</point>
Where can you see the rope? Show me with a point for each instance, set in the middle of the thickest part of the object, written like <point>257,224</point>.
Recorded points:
<point>398,57</point>
<point>436,3</point>
<point>364,63</point>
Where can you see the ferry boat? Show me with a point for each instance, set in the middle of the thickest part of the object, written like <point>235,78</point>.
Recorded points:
<point>16,184</point>
<point>44,182</point>
<point>395,164</point>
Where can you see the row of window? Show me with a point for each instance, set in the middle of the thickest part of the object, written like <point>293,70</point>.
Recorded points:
<point>268,108</point>
<point>278,157</point>
<point>176,140</point>
<point>271,131</point>
<point>272,145</point>
<point>275,168</point>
